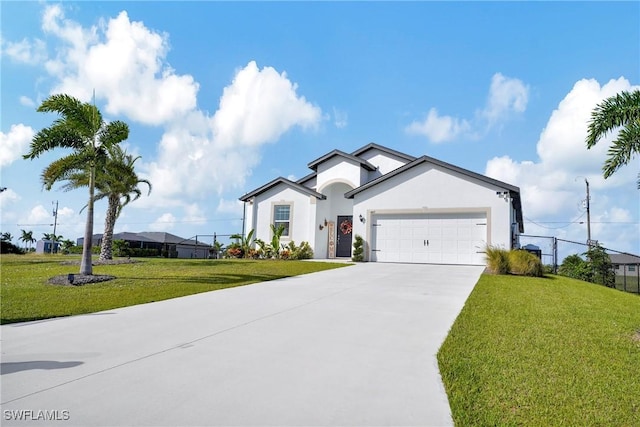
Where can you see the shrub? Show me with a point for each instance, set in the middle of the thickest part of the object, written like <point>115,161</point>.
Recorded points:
<point>525,263</point>
<point>303,251</point>
<point>7,247</point>
<point>497,260</point>
<point>576,267</point>
<point>143,252</point>
<point>358,250</point>
<point>234,251</point>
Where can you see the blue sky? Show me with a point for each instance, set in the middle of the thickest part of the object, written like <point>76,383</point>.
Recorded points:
<point>223,97</point>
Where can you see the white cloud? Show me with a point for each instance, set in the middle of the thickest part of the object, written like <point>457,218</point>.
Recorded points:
<point>27,102</point>
<point>259,106</point>
<point>439,128</point>
<point>124,62</point>
<point>25,51</point>
<point>164,222</point>
<point>8,197</point>
<point>203,154</point>
<point>39,215</point>
<point>553,186</point>
<point>14,144</point>
<point>506,96</point>
<point>194,214</point>
<point>340,118</point>
<point>233,207</point>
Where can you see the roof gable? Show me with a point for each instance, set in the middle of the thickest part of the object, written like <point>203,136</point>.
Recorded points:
<point>285,181</point>
<point>363,163</point>
<point>374,146</point>
<point>514,191</point>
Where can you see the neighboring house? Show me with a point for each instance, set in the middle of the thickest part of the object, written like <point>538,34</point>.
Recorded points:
<point>407,209</point>
<point>166,244</point>
<point>625,264</point>
<point>47,247</point>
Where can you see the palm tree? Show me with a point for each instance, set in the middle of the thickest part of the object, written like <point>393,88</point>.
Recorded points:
<point>81,128</point>
<point>115,180</point>
<point>27,238</point>
<point>622,112</point>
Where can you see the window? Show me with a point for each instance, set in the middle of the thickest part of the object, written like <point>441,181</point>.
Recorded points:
<point>632,268</point>
<point>282,217</point>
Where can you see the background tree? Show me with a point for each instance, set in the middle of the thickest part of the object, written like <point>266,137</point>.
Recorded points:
<point>81,128</point>
<point>27,238</point>
<point>115,180</point>
<point>622,112</point>
<point>6,246</point>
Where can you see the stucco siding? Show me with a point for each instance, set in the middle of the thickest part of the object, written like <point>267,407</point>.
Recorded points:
<point>337,169</point>
<point>427,188</point>
<point>302,214</point>
<point>383,161</point>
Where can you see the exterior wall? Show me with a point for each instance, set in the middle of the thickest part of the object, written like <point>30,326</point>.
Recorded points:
<point>428,188</point>
<point>187,251</point>
<point>629,270</point>
<point>302,220</point>
<point>385,162</point>
<point>338,168</point>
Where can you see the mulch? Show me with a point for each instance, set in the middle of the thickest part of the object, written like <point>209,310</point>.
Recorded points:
<point>79,279</point>
<point>85,279</point>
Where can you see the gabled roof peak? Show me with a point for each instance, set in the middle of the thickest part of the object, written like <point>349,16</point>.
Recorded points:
<point>365,164</point>
<point>374,146</point>
<point>285,181</point>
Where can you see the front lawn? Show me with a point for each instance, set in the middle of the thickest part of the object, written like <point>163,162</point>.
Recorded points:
<point>544,351</point>
<point>25,294</point>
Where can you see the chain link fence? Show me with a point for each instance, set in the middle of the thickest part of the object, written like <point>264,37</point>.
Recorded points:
<point>553,250</point>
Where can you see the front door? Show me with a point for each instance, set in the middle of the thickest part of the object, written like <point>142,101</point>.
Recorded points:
<point>344,232</point>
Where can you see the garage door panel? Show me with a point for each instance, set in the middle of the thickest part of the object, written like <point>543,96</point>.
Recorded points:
<point>456,238</point>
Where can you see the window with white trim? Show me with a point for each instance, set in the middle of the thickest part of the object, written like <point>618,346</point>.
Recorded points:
<point>282,217</point>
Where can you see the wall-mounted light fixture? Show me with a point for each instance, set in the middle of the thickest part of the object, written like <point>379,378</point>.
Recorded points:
<point>320,227</point>
<point>362,220</point>
<point>503,195</point>
<point>325,222</point>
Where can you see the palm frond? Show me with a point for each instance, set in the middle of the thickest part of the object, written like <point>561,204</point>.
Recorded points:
<point>56,136</point>
<point>113,133</point>
<point>83,117</point>
<point>612,113</point>
<point>62,169</point>
<point>622,149</point>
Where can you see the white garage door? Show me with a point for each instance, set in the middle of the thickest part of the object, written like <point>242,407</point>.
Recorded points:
<point>456,238</point>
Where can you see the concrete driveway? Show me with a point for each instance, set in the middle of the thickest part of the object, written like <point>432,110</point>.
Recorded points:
<point>348,347</point>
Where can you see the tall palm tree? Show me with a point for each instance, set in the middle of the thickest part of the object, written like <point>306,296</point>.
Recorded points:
<point>80,127</point>
<point>622,112</point>
<point>27,238</point>
<point>116,180</point>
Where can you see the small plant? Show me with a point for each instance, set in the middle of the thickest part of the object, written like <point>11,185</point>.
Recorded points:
<point>497,260</point>
<point>358,250</point>
<point>525,263</point>
<point>303,251</point>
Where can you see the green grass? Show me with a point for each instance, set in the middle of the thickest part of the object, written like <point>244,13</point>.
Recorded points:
<point>25,294</point>
<point>544,351</point>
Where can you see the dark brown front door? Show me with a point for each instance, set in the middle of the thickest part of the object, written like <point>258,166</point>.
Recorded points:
<point>344,231</point>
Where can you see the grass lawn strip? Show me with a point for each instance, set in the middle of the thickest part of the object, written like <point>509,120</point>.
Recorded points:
<point>544,351</point>
<point>25,294</point>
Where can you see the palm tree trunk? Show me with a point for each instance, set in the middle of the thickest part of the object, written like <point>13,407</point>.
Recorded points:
<point>85,266</point>
<point>109,224</point>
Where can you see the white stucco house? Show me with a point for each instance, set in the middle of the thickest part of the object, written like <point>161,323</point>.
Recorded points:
<point>407,209</point>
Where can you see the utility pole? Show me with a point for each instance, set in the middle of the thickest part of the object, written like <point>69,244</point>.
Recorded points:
<point>55,224</point>
<point>588,217</point>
